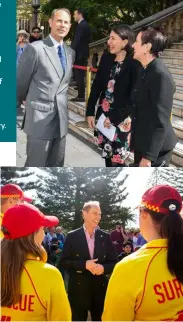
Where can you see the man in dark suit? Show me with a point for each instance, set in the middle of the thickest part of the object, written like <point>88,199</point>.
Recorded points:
<point>89,257</point>
<point>80,44</point>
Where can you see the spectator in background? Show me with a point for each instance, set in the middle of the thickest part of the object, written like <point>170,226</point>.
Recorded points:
<point>60,234</point>
<point>135,239</point>
<point>55,254</point>
<point>36,34</point>
<point>118,237</point>
<point>127,250</point>
<point>51,234</point>
<point>22,43</point>
<point>80,44</point>
<point>140,240</point>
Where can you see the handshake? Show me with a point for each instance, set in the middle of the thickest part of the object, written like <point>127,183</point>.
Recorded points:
<point>94,268</point>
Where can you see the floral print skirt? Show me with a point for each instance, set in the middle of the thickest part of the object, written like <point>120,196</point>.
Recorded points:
<point>118,150</point>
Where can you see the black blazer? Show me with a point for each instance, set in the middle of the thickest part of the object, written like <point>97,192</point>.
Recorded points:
<point>152,100</point>
<point>82,284</point>
<point>81,40</point>
<point>122,89</point>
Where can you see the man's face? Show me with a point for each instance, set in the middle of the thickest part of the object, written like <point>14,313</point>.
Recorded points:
<point>118,226</point>
<point>60,25</point>
<point>76,16</point>
<point>36,33</point>
<point>92,217</point>
<point>22,38</point>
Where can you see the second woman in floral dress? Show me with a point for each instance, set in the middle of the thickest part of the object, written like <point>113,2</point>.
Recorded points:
<point>113,84</point>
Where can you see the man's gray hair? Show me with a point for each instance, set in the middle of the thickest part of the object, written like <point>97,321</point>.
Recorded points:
<point>63,9</point>
<point>87,205</point>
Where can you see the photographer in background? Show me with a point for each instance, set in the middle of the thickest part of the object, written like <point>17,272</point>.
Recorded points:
<point>36,34</point>
<point>22,43</point>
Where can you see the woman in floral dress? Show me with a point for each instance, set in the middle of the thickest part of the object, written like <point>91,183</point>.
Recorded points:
<point>113,85</point>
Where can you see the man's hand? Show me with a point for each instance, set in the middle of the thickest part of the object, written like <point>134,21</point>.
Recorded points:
<point>91,121</point>
<point>98,270</point>
<point>107,123</point>
<point>90,264</point>
<point>145,163</point>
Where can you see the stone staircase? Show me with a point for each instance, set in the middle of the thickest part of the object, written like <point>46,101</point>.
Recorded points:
<point>173,58</point>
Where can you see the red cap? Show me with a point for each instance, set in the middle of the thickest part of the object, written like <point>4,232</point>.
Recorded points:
<point>24,219</point>
<point>154,197</point>
<point>12,190</point>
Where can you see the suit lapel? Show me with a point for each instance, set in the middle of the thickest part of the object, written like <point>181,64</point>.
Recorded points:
<point>53,56</point>
<point>99,239</point>
<point>84,244</point>
<point>68,60</point>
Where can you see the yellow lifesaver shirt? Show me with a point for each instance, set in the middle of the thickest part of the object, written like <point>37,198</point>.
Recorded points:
<point>43,295</point>
<point>142,288</point>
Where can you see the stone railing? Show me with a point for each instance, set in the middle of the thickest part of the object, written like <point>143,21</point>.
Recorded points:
<point>169,20</point>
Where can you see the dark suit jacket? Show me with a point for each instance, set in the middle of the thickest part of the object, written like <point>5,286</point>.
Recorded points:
<point>81,40</point>
<point>152,99</point>
<point>122,89</point>
<point>82,284</point>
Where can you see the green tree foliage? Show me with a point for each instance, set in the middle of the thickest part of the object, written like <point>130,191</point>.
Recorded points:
<point>170,176</point>
<point>63,191</point>
<point>67,189</point>
<point>102,14</point>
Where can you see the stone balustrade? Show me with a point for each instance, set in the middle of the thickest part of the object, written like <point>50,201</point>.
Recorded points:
<point>169,20</point>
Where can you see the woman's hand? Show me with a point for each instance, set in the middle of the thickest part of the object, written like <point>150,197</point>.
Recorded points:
<point>107,123</point>
<point>91,121</point>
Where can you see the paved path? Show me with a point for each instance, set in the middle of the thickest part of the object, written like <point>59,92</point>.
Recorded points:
<point>78,153</point>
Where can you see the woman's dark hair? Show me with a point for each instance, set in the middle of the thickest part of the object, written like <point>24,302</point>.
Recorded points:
<point>155,38</point>
<point>170,226</point>
<point>125,32</point>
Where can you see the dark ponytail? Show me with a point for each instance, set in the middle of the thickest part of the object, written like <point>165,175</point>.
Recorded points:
<point>171,227</point>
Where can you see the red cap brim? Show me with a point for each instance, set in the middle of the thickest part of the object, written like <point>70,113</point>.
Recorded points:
<point>50,221</point>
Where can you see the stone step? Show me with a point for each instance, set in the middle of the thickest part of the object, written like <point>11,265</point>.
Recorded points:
<point>178,80</point>
<point>177,45</point>
<point>179,93</point>
<point>172,52</point>
<point>83,132</point>
<point>177,123</point>
<point>80,108</point>
<point>177,157</point>
<point>178,108</point>
<point>175,69</point>
<point>172,60</point>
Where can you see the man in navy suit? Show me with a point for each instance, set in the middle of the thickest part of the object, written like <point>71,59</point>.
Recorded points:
<point>80,44</point>
<point>89,257</point>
